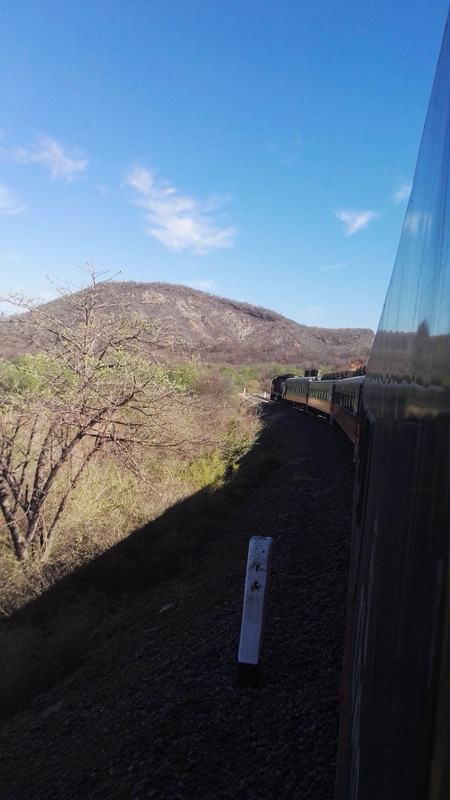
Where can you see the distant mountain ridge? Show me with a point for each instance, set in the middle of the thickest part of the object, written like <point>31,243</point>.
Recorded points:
<point>218,330</point>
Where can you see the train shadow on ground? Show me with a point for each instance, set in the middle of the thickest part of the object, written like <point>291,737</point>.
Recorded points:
<point>50,636</point>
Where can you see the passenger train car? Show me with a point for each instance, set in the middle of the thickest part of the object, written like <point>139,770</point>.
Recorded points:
<point>333,397</point>
<point>394,740</point>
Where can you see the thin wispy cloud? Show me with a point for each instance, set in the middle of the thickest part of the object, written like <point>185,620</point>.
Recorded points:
<point>51,155</point>
<point>102,190</point>
<point>203,285</point>
<point>178,222</point>
<point>418,222</point>
<point>355,220</point>
<point>327,267</point>
<point>402,191</point>
<point>286,152</point>
<point>9,204</point>
<point>313,314</point>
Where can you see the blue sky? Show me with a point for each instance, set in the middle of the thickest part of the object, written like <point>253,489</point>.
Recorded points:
<point>260,150</point>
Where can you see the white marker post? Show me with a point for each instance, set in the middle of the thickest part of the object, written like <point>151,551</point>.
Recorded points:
<point>254,611</point>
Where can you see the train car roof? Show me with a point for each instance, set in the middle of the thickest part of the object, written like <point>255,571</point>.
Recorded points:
<point>355,379</point>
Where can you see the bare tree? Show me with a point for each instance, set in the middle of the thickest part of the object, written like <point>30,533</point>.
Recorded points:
<point>93,387</point>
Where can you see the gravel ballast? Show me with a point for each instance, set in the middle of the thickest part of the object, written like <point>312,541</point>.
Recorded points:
<point>155,712</point>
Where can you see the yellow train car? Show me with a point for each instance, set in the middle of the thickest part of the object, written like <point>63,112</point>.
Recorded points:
<point>320,396</point>
<point>345,402</point>
<point>296,391</point>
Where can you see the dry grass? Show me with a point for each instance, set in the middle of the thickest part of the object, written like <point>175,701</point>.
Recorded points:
<point>111,500</point>
<point>175,499</point>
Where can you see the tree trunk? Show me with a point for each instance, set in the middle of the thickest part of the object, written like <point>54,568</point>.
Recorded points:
<point>19,541</point>
<point>20,548</point>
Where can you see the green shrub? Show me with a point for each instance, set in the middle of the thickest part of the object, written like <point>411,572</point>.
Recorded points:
<point>207,470</point>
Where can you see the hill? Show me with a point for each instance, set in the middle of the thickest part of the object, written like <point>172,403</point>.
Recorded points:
<point>215,329</point>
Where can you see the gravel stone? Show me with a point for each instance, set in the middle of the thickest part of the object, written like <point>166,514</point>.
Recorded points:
<point>154,711</point>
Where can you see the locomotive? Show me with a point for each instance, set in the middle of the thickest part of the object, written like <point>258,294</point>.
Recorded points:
<point>394,737</point>
<point>278,384</point>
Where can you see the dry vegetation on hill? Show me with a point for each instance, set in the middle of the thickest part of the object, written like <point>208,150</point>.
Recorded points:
<point>97,435</point>
<point>118,403</point>
<point>217,330</point>
<point>139,383</point>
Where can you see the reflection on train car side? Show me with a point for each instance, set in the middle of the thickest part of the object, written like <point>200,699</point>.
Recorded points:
<point>394,740</point>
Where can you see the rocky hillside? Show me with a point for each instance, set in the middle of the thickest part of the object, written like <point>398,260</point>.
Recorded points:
<point>216,329</point>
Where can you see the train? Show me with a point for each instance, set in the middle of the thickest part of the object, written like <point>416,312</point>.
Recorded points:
<point>394,734</point>
<point>334,396</point>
